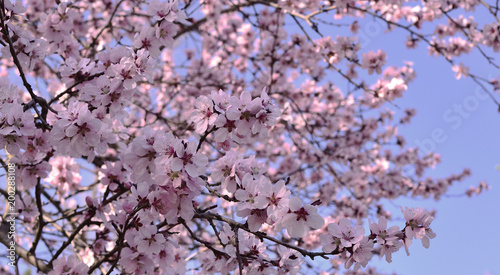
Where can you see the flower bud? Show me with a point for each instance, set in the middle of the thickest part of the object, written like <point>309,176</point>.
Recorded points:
<point>89,201</point>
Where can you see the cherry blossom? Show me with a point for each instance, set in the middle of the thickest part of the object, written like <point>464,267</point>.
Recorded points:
<point>64,175</point>
<point>300,218</point>
<point>148,241</point>
<point>290,261</point>
<point>204,115</point>
<point>247,195</point>
<point>418,221</point>
<point>387,238</point>
<point>461,70</point>
<point>274,198</point>
<point>349,235</point>
<point>491,34</point>
<point>361,255</point>
<point>187,158</point>
<point>69,265</point>
<point>374,61</point>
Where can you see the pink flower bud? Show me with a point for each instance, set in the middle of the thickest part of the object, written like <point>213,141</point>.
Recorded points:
<point>127,185</point>
<point>89,201</point>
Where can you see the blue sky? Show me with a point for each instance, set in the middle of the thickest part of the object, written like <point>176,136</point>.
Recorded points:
<point>467,239</point>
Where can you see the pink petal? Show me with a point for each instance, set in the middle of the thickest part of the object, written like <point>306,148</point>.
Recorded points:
<point>298,230</point>
<point>176,164</point>
<point>295,204</point>
<point>315,221</point>
<point>71,130</point>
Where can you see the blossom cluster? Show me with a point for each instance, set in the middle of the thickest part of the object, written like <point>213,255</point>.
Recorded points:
<point>351,243</point>
<point>242,120</point>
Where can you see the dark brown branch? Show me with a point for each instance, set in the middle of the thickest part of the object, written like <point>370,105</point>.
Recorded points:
<point>260,235</point>
<point>41,222</point>
<point>238,255</point>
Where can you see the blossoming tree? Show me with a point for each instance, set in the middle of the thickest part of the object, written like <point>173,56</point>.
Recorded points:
<point>219,140</point>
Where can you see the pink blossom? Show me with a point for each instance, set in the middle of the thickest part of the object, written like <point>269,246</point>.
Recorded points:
<point>388,239</point>
<point>165,144</point>
<point>65,175</point>
<point>165,33</point>
<point>77,132</point>
<point>69,265</point>
<point>361,255</point>
<point>491,34</point>
<point>187,158</point>
<point>349,235</point>
<point>77,70</point>
<point>247,207</point>
<point>148,40</point>
<point>204,115</point>
<point>374,61</point>
<point>112,174</point>
<point>274,197</point>
<point>300,218</point>
<point>17,122</point>
<point>220,99</point>
<point>84,130</point>
<point>225,128</point>
<point>290,261</point>
<point>329,241</point>
<point>148,241</point>
<point>418,221</point>
<point>382,233</point>
<point>224,170</point>
<point>167,10</point>
<point>461,70</point>
<point>31,168</point>
<point>135,262</point>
